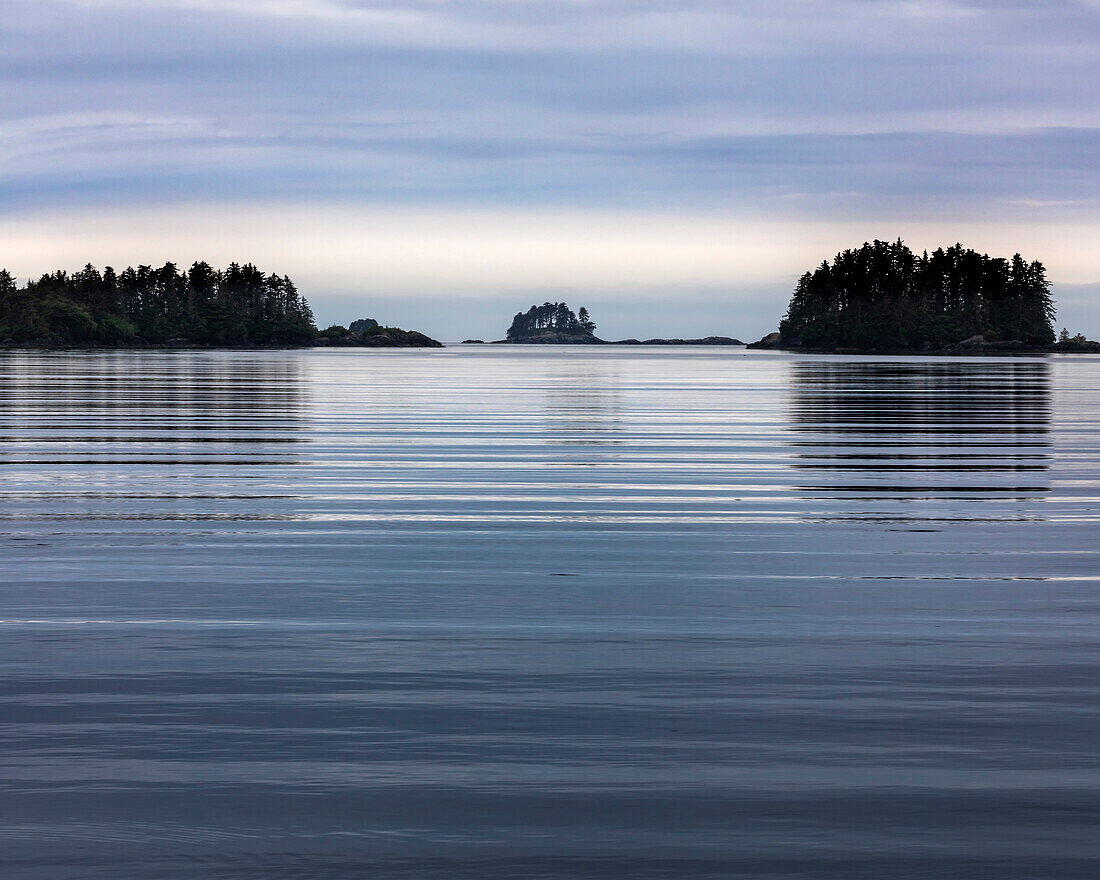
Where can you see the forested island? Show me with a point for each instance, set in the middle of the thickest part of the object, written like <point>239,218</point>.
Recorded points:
<point>368,333</point>
<point>883,297</point>
<point>553,323</point>
<point>556,324</point>
<point>240,306</point>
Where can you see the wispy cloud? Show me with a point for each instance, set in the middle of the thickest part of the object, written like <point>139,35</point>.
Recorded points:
<point>957,111</point>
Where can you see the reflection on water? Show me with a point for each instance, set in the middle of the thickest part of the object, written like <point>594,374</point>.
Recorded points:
<point>966,430</point>
<point>922,398</point>
<point>182,392</point>
<point>583,411</point>
<point>505,612</point>
<point>135,435</point>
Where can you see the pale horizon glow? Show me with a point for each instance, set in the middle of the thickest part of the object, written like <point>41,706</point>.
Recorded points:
<point>356,256</point>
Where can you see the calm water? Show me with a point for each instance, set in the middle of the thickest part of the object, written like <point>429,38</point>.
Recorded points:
<point>485,612</point>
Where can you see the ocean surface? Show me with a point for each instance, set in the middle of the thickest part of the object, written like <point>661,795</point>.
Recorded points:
<point>496,612</point>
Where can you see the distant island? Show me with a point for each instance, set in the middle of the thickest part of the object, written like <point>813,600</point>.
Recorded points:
<point>368,333</point>
<point>705,340</point>
<point>556,324</point>
<point>552,323</point>
<point>884,298</point>
<point>237,307</point>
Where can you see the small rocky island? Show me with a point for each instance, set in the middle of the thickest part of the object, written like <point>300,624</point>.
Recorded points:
<point>237,307</point>
<point>553,324</point>
<point>368,333</point>
<point>883,298</point>
<point>556,324</point>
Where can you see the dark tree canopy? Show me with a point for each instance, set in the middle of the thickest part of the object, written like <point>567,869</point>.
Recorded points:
<point>884,296</point>
<point>235,306</point>
<point>551,317</point>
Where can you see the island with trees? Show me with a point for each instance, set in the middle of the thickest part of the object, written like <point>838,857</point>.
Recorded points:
<point>237,307</point>
<point>554,323</point>
<point>882,297</point>
<point>368,333</point>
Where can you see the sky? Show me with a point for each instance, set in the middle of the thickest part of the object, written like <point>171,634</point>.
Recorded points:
<point>441,165</point>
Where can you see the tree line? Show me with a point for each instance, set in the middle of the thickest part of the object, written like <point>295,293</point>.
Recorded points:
<point>553,317</point>
<point>882,295</point>
<point>240,305</point>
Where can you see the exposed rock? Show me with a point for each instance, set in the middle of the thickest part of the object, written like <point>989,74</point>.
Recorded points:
<point>979,344</point>
<point>973,345</point>
<point>368,333</point>
<point>554,337</point>
<point>1077,345</point>
<point>706,340</point>
<point>473,341</point>
<point>388,338</point>
<point>769,341</point>
<point>971,342</point>
<point>394,338</point>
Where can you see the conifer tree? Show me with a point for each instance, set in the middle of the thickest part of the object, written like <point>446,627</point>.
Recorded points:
<point>882,295</point>
<point>238,306</point>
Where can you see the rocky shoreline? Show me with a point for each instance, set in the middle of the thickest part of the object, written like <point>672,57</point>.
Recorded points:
<point>577,339</point>
<point>977,345</point>
<point>706,340</point>
<point>389,338</point>
<point>552,337</point>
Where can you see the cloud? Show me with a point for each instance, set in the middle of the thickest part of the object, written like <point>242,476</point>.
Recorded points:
<point>862,117</point>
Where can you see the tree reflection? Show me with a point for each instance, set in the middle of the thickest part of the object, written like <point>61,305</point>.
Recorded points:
<point>972,429</point>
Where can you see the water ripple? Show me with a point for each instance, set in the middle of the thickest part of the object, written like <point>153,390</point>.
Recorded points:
<point>508,612</point>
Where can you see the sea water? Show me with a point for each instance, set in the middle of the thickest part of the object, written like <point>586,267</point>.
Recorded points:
<point>496,611</point>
